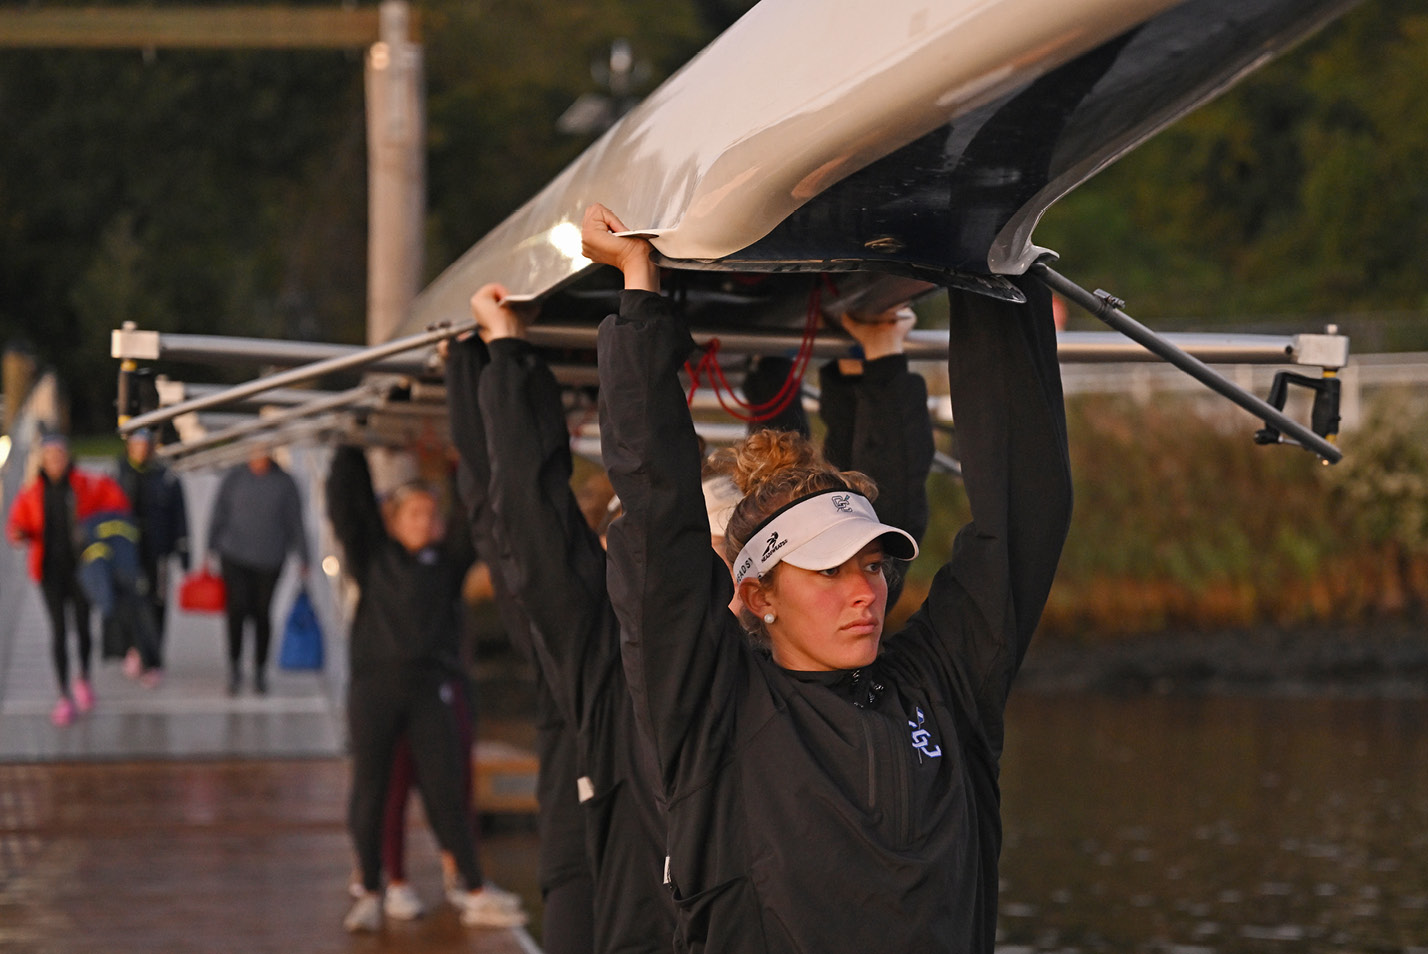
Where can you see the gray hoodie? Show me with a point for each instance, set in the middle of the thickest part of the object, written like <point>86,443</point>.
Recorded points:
<point>257,519</point>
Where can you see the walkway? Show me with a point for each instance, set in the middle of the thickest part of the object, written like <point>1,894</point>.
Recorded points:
<point>181,820</point>
<point>208,858</point>
<point>189,716</point>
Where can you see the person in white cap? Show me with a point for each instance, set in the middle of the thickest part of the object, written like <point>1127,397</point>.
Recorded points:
<point>828,787</point>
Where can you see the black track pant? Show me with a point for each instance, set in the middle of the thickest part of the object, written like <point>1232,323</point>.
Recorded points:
<point>568,925</point>
<point>157,598</point>
<point>250,596</point>
<point>380,709</point>
<point>61,589</point>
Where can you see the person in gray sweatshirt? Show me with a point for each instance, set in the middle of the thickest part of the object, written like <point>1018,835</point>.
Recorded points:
<point>256,522</point>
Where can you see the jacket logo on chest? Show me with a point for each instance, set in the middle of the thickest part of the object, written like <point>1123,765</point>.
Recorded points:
<point>922,739</point>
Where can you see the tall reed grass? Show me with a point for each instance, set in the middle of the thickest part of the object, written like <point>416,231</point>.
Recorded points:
<point>1182,522</point>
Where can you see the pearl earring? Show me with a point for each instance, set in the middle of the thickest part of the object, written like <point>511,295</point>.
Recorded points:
<point>768,617</point>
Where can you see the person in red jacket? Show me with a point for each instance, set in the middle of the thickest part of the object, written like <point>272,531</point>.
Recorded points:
<point>46,515</point>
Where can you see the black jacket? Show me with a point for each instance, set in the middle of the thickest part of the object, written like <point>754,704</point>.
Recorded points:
<point>407,615</point>
<point>156,495</point>
<point>560,822</point>
<point>878,422</point>
<point>510,431</point>
<point>845,811</point>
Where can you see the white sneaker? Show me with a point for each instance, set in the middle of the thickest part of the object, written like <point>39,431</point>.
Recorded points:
<point>366,915</point>
<point>501,896</point>
<point>482,909</point>
<point>495,894</point>
<point>402,903</point>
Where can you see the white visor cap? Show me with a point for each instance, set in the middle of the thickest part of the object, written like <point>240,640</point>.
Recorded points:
<point>818,532</point>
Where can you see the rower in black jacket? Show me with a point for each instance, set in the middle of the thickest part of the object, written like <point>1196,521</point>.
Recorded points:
<point>548,572</point>
<point>403,660</point>
<point>839,792</point>
<point>509,428</point>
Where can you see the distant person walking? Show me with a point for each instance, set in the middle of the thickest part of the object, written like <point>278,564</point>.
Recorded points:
<point>256,522</point>
<point>160,513</point>
<point>47,515</point>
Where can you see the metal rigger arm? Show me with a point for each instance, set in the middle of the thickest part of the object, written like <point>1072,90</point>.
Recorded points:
<point>1329,351</point>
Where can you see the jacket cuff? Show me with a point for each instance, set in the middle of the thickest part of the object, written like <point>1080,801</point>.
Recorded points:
<point>633,302</point>
<point>878,371</point>
<point>512,349</point>
<point>884,369</point>
<point>472,344</point>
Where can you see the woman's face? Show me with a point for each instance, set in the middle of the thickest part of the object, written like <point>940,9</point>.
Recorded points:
<point>824,619</point>
<point>414,522</point>
<point>54,460</point>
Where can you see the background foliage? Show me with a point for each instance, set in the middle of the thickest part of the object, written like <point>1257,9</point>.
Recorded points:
<point>1182,522</point>
<point>1300,191</point>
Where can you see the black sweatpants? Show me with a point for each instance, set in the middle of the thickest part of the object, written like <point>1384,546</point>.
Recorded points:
<point>381,707</point>
<point>156,595</point>
<point>250,596</point>
<point>61,589</point>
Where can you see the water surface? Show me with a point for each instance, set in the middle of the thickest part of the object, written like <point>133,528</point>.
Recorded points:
<point>1214,824</point>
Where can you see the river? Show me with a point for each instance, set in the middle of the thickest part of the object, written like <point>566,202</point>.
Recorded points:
<point>1217,823</point>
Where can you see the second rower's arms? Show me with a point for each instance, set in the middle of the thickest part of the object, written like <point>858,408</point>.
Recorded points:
<point>550,558</point>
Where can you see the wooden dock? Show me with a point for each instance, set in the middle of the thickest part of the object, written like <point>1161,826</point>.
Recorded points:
<point>210,858</point>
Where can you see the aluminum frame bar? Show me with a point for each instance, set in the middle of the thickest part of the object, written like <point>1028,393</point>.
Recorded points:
<point>352,398</point>
<point>284,397</point>
<point>238,450</point>
<point>361,357</point>
<point>1108,309</point>
<point>138,345</point>
<point>922,345</point>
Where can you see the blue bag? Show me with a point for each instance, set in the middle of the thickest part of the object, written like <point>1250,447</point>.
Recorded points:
<point>302,636</point>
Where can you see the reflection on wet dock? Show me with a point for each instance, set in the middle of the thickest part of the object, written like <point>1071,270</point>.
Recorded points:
<point>197,857</point>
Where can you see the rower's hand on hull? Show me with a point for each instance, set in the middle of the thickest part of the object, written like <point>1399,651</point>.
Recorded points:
<point>494,318</point>
<point>882,336</point>
<point>629,253</point>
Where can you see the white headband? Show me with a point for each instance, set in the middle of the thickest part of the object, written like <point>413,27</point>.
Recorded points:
<point>818,532</point>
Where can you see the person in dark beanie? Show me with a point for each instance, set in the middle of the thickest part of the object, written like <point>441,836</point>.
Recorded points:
<point>47,516</point>
<point>256,522</point>
<point>160,513</point>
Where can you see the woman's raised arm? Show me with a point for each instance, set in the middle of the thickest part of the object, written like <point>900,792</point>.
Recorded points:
<point>1005,386</point>
<point>668,587</point>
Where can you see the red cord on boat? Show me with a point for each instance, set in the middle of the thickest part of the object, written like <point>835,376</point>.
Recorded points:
<point>792,385</point>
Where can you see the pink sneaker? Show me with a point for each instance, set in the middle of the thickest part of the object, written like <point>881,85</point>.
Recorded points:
<point>152,678</point>
<point>83,695</point>
<point>133,665</point>
<point>63,712</point>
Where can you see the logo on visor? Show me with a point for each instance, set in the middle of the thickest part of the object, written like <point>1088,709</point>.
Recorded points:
<point>773,545</point>
<point>744,568</point>
<point>843,503</point>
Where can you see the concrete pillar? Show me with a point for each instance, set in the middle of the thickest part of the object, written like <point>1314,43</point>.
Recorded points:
<point>396,176</point>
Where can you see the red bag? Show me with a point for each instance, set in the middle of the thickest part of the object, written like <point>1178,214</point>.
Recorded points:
<point>202,592</point>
